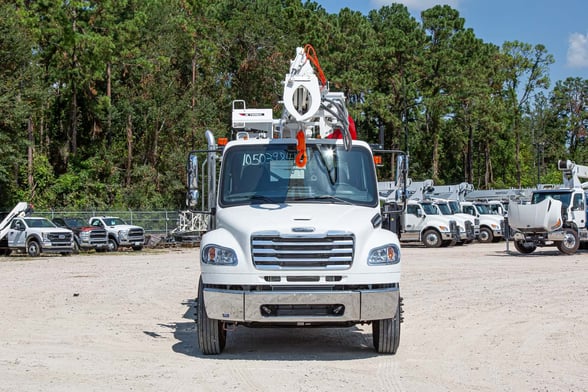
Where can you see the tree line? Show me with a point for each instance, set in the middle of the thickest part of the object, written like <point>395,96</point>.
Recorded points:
<point>100,101</point>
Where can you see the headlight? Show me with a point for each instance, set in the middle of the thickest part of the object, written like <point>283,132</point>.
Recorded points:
<point>388,254</point>
<point>122,234</point>
<point>443,228</point>
<point>214,254</point>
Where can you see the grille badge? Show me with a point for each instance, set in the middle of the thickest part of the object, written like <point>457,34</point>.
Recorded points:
<point>303,229</point>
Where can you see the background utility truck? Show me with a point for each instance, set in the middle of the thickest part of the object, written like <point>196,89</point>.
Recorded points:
<point>555,217</point>
<point>418,220</point>
<point>295,233</point>
<point>22,233</point>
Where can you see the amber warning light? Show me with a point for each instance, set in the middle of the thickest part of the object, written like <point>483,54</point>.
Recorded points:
<point>222,141</point>
<point>378,160</point>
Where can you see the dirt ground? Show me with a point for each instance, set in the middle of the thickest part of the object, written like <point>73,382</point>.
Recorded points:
<point>476,319</point>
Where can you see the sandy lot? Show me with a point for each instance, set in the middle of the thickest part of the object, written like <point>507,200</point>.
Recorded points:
<point>476,319</point>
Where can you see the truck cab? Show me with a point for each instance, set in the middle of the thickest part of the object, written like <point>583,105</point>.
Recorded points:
<point>423,222</point>
<point>491,225</point>
<point>465,222</point>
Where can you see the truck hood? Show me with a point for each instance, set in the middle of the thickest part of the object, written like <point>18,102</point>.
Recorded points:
<point>124,227</point>
<point>543,216</point>
<point>296,218</point>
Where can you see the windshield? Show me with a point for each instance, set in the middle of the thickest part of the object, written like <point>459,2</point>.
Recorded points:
<point>254,174</point>
<point>564,197</point>
<point>430,209</point>
<point>445,210</point>
<point>483,209</point>
<point>74,222</point>
<point>454,206</point>
<point>38,222</point>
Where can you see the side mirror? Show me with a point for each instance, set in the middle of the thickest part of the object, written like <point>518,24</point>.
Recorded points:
<point>419,213</point>
<point>192,169</point>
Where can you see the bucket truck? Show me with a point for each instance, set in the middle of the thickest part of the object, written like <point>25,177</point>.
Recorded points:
<point>295,236</point>
<point>555,217</point>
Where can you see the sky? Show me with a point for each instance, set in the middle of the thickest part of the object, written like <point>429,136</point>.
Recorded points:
<point>560,25</point>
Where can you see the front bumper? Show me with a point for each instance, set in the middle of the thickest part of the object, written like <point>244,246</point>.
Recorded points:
<point>132,242</point>
<point>558,235</point>
<point>300,306</point>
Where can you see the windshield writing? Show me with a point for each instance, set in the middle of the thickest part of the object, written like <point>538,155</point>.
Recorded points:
<point>254,174</point>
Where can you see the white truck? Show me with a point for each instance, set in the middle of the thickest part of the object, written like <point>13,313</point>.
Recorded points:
<point>491,225</point>
<point>555,217</point>
<point>465,222</point>
<point>120,234</point>
<point>295,234</point>
<point>423,222</point>
<point>419,220</point>
<point>22,233</point>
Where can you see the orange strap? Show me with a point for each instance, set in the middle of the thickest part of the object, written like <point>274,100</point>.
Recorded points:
<point>301,157</point>
<point>311,55</point>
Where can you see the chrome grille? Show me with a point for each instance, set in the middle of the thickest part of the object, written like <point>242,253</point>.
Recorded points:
<point>136,235</point>
<point>98,235</point>
<point>60,239</point>
<point>469,227</point>
<point>330,251</point>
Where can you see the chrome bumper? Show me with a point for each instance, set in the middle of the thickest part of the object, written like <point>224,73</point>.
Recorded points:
<point>252,306</point>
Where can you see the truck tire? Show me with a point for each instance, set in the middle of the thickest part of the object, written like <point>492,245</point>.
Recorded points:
<point>486,235</point>
<point>112,245</point>
<point>432,239</point>
<point>212,336</point>
<point>76,247</point>
<point>386,333</point>
<point>33,248</point>
<point>570,244</point>
<point>525,247</point>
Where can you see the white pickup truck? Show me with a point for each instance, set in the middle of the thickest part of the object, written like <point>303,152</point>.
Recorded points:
<point>120,234</point>
<point>35,236</point>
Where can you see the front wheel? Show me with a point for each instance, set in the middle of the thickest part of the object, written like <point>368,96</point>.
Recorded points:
<point>525,247</point>
<point>76,247</point>
<point>486,235</point>
<point>212,336</point>
<point>112,245</point>
<point>33,248</point>
<point>432,239</point>
<point>570,244</point>
<point>386,333</point>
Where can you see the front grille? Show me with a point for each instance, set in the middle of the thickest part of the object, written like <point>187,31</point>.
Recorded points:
<point>60,239</point>
<point>98,235</point>
<point>454,229</point>
<point>330,251</point>
<point>469,227</point>
<point>136,234</point>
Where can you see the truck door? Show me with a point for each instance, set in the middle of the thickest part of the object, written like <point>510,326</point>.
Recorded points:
<point>413,222</point>
<point>578,210</point>
<point>17,234</point>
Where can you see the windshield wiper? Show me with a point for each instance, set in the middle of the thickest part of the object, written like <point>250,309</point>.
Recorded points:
<point>263,199</point>
<point>326,198</point>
